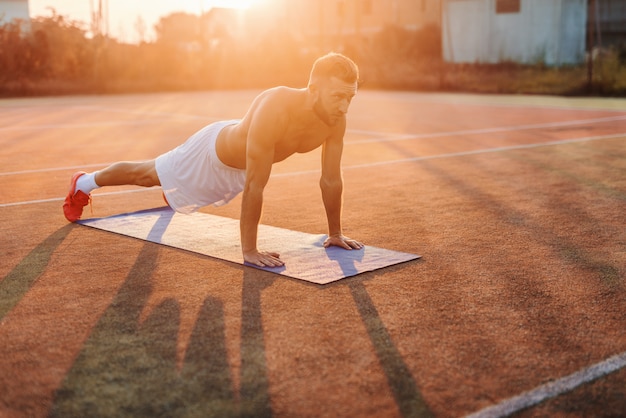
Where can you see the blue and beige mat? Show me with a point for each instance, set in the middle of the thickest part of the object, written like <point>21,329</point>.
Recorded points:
<point>304,254</point>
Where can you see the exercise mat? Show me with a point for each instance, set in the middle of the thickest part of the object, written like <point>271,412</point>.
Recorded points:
<point>304,255</point>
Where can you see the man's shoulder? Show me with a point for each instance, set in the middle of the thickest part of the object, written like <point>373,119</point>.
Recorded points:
<point>277,100</point>
<point>282,93</point>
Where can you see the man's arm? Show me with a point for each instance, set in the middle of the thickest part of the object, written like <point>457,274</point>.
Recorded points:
<point>331,184</point>
<point>264,129</point>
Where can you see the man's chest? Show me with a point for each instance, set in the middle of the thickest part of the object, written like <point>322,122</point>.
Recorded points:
<point>300,141</point>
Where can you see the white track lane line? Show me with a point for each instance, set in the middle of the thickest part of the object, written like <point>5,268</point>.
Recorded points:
<point>368,165</point>
<point>60,199</point>
<point>552,389</point>
<point>470,100</point>
<point>404,137</point>
<point>489,150</point>
<point>46,170</point>
<point>390,138</point>
<point>386,136</point>
<point>102,123</point>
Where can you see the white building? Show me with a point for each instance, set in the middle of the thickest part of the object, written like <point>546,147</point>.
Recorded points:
<point>13,9</point>
<point>524,31</point>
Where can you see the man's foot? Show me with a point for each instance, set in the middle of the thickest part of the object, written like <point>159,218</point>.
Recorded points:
<point>75,200</point>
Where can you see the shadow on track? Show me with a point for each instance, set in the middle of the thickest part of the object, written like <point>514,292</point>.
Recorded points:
<point>128,368</point>
<point>17,283</point>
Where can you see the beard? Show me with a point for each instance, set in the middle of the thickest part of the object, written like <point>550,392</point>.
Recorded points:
<point>323,114</point>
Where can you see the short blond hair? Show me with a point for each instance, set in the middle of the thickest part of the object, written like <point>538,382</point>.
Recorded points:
<point>334,65</point>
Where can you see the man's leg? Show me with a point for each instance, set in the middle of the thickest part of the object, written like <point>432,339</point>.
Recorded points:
<point>122,173</point>
<point>133,173</point>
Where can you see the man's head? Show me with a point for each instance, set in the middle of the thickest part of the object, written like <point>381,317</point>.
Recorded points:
<point>333,83</point>
<point>334,65</point>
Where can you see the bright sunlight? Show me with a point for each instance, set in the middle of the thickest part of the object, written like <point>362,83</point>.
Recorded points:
<point>232,4</point>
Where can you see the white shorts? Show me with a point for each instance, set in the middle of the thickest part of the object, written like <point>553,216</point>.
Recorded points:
<point>192,175</point>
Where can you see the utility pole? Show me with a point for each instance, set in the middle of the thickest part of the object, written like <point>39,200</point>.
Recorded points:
<point>591,16</point>
<point>100,18</point>
<point>100,32</point>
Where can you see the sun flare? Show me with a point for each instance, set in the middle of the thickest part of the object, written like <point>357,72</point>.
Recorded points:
<point>233,4</point>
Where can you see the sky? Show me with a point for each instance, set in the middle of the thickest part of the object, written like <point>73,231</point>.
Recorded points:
<point>123,14</point>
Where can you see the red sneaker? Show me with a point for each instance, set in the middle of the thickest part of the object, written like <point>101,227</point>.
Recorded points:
<point>75,201</point>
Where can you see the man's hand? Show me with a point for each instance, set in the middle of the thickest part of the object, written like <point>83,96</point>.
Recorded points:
<point>343,242</point>
<point>263,258</point>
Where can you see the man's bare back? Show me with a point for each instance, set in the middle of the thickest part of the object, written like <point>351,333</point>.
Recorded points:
<point>295,128</point>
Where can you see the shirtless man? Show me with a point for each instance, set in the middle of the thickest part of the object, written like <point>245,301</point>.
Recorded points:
<point>226,158</point>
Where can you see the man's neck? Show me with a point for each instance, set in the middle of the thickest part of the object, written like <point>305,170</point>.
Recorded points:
<point>306,110</point>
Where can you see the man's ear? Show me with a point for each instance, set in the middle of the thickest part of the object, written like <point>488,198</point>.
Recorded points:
<point>314,90</point>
